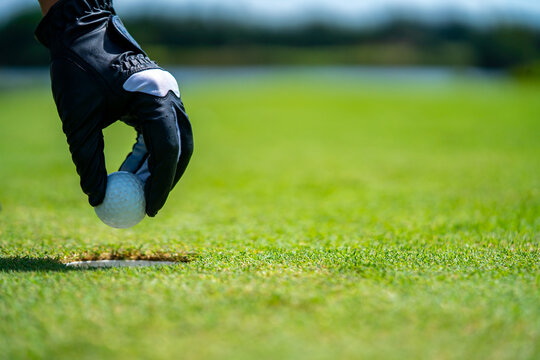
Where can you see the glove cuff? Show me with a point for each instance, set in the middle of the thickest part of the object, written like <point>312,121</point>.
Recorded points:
<point>67,12</point>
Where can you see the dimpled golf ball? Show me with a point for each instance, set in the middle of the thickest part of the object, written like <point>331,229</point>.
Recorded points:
<point>124,204</point>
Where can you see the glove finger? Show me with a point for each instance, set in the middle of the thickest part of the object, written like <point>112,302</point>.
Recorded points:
<point>161,136</point>
<point>86,148</point>
<point>137,160</point>
<point>186,141</point>
<point>81,111</point>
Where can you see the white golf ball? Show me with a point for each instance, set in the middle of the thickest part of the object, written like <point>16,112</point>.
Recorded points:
<point>124,205</point>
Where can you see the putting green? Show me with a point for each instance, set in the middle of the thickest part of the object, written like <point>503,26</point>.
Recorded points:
<point>319,219</point>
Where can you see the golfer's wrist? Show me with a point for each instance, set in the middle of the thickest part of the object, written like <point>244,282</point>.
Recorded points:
<point>46,5</point>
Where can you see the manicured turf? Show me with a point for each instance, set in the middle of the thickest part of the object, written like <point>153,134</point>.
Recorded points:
<point>320,218</point>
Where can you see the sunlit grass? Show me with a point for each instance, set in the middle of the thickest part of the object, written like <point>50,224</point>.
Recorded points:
<point>323,219</point>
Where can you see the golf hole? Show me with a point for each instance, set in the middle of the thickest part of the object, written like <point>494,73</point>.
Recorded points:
<point>126,257</point>
<point>118,263</point>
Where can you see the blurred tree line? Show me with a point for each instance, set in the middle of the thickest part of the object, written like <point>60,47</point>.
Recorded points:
<point>198,42</point>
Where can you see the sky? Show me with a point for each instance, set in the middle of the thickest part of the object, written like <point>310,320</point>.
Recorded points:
<point>346,12</point>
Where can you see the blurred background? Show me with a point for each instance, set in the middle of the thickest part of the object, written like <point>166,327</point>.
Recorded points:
<point>496,35</point>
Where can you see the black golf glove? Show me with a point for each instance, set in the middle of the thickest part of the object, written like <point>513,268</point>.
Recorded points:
<point>100,75</point>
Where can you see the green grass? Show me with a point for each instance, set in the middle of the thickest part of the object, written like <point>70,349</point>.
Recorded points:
<point>320,218</point>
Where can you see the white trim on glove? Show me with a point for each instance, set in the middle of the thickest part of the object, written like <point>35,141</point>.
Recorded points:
<point>154,82</point>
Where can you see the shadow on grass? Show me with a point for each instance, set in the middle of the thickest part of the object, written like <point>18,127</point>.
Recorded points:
<point>28,264</point>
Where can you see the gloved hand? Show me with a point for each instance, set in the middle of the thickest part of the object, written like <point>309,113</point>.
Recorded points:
<point>100,75</point>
